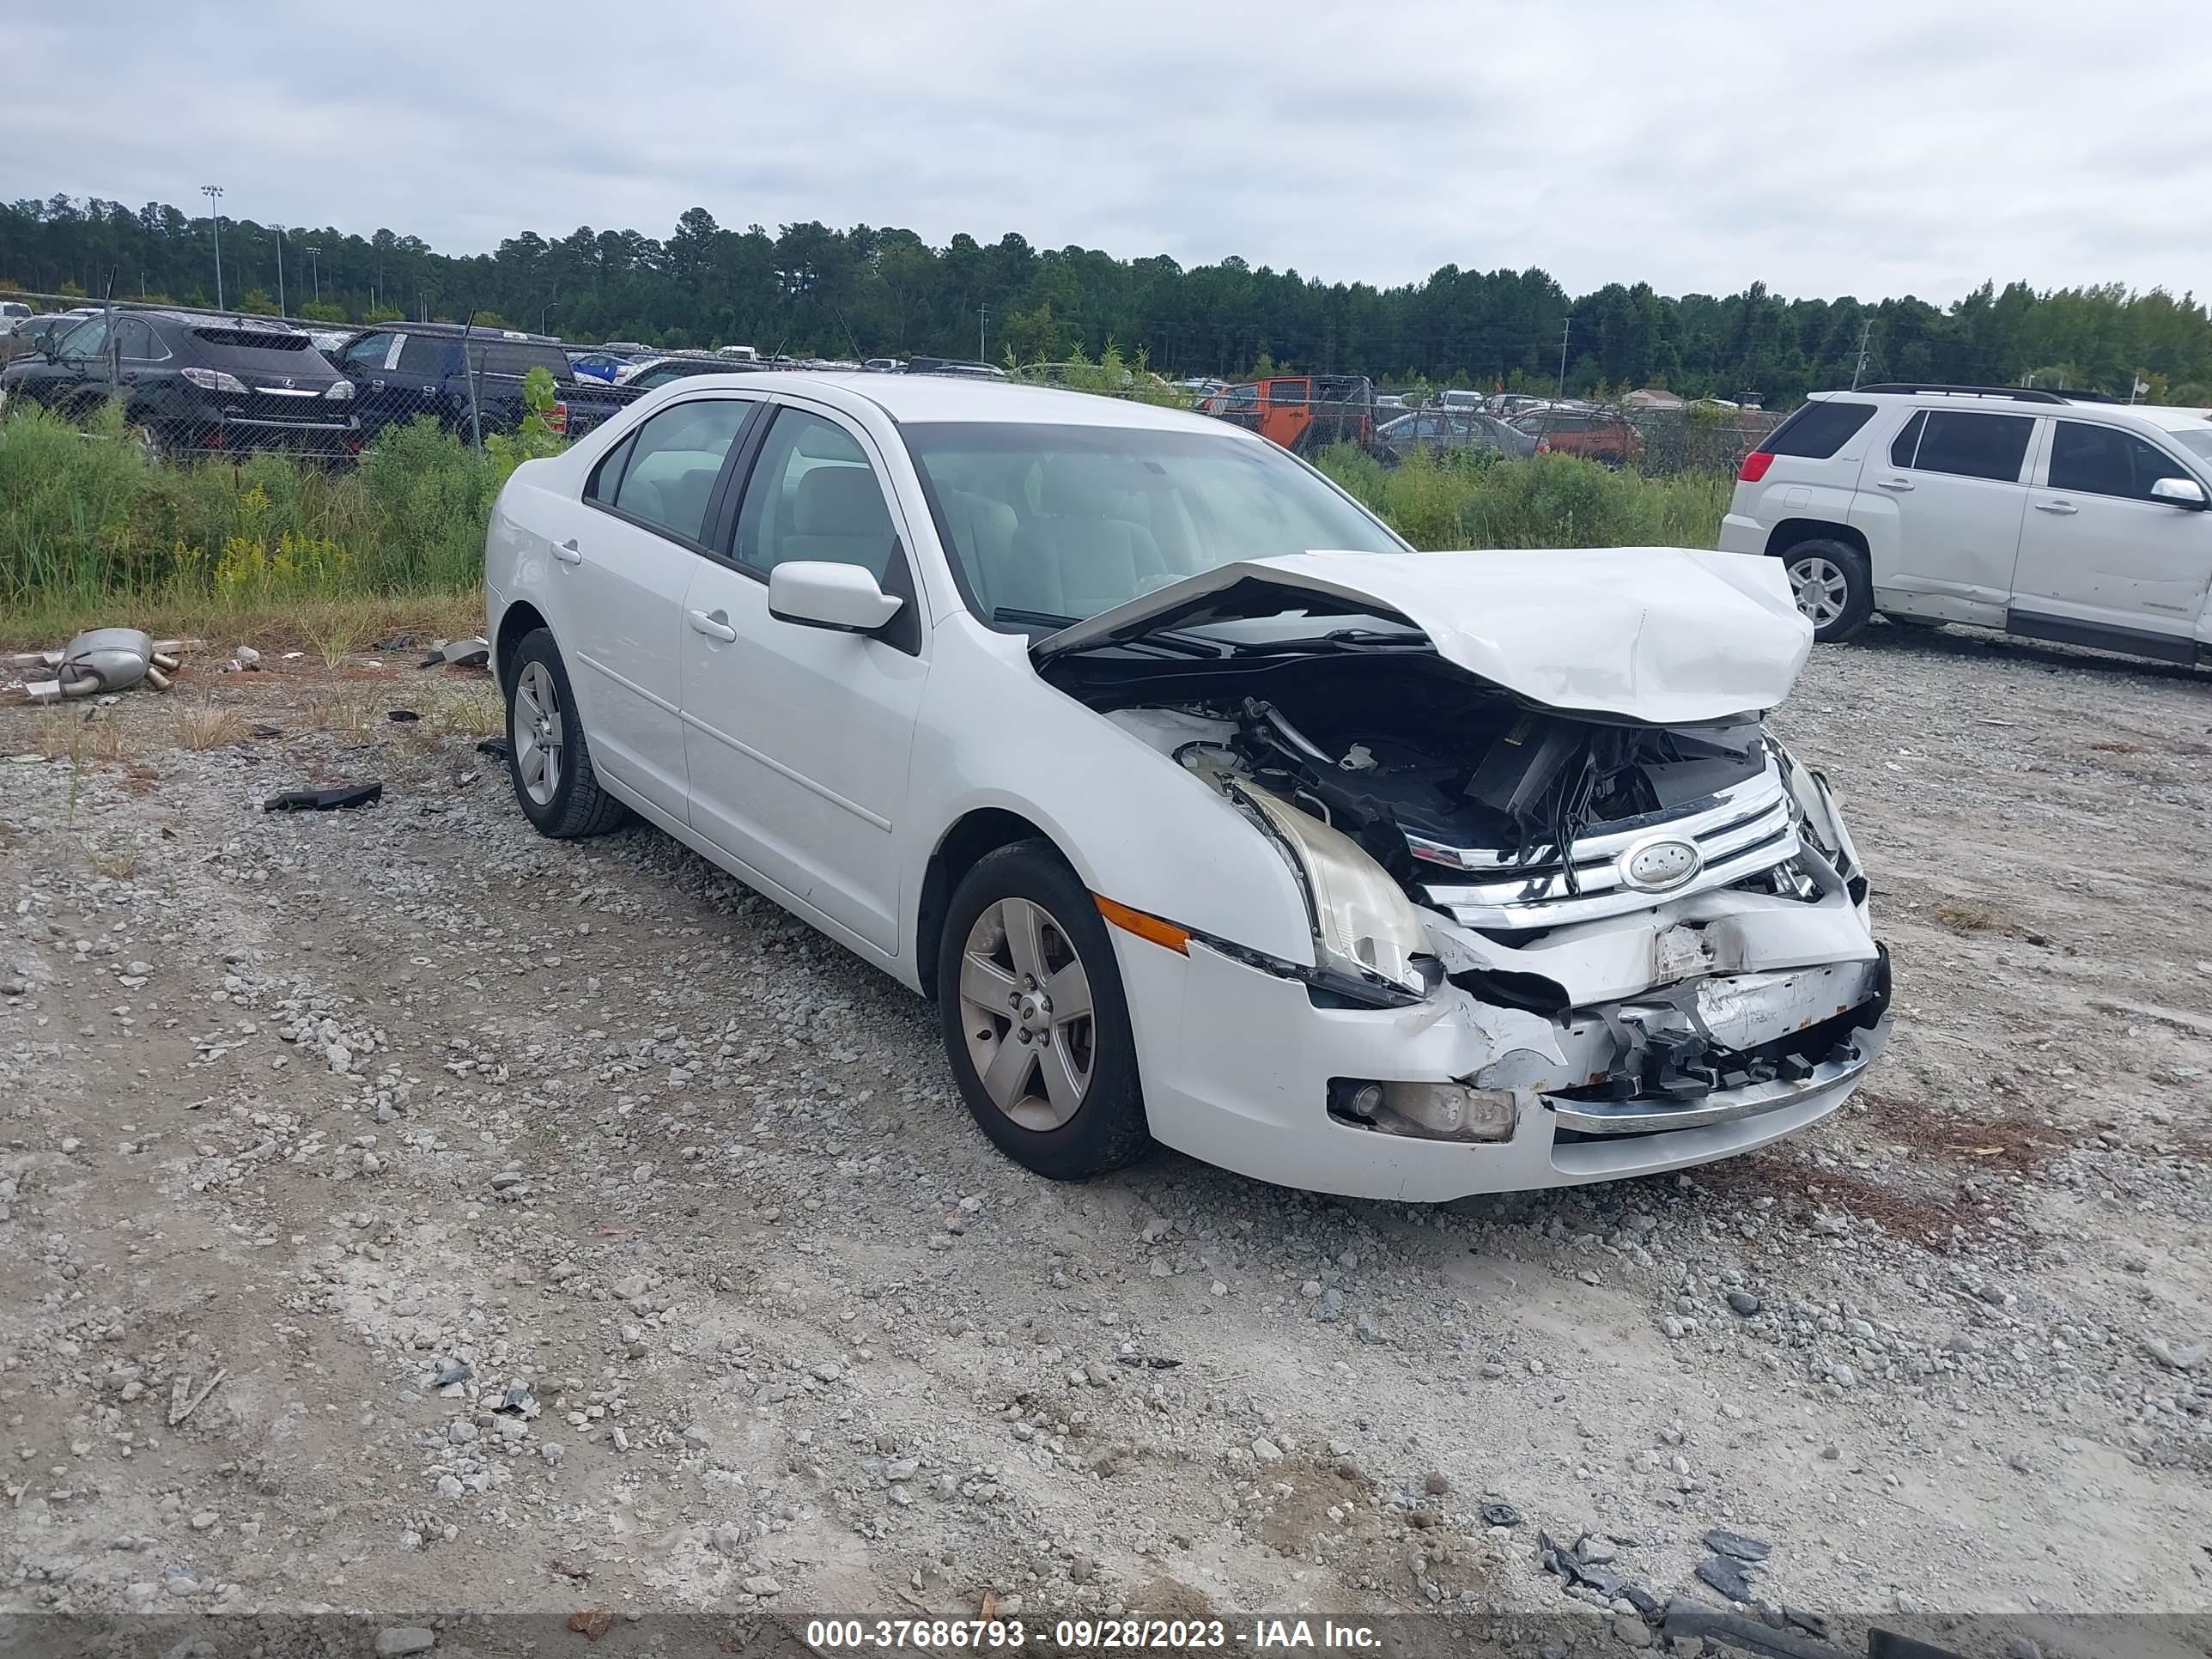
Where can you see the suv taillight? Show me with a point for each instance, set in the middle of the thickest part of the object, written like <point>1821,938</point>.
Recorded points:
<point>1755,466</point>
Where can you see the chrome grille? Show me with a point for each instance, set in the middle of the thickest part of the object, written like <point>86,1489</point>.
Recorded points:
<point>1738,833</point>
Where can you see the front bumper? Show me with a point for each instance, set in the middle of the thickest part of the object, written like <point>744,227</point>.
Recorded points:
<point>1237,1064</point>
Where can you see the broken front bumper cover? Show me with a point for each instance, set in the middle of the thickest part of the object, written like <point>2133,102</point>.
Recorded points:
<point>1645,1114</point>
<point>1237,1065</point>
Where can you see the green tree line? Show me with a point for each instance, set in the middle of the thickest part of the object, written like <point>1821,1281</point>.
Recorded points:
<point>809,289</point>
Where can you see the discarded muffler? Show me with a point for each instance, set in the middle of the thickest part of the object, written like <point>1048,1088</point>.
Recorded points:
<point>103,660</point>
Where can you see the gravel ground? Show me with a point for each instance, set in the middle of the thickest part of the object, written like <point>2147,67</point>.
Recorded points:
<point>562,1225</point>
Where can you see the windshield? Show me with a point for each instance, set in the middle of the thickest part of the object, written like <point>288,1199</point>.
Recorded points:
<point>2197,440</point>
<point>1049,524</point>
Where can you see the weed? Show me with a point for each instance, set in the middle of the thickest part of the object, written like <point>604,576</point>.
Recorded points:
<point>1972,916</point>
<point>203,726</point>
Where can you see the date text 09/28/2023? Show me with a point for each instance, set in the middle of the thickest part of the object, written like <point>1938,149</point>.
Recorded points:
<point>1133,1632</point>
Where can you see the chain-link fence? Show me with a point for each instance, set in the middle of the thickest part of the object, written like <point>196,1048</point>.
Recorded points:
<point>193,382</point>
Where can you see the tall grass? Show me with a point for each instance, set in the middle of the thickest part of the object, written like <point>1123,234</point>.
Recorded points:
<point>93,528</point>
<point>90,521</point>
<point>1482,500</point>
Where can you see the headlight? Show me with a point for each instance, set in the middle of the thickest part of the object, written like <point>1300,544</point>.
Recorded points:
<point>1365,930</point>
<point>338,389</point>
<point>1820,820</point>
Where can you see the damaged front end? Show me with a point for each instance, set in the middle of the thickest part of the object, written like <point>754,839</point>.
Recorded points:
<point>1645,925</point>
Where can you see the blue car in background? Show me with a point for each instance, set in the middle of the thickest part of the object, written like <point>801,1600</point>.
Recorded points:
<point>598,365</point>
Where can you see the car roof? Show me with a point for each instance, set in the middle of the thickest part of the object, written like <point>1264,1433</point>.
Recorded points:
<point>2166,417</point>
<point>921,399</point>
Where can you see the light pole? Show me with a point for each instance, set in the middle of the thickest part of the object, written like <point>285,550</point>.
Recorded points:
<point>315,265</point>
<point>279,229</point>
<point>542,310</point>
<point>214,193</point>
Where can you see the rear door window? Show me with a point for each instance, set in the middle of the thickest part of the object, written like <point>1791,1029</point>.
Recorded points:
<point>134,341</point>
<point>517,357</point>
<point>1973,446</point>
<point>673,463</point>
<point>1818,430</point>
<point>424,353</point>
<point>2097,460</point>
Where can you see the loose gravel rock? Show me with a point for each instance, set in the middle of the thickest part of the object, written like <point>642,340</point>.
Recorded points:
<point>620,1154</point>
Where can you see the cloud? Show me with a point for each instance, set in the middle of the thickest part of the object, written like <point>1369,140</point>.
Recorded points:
<point>1870,149</point>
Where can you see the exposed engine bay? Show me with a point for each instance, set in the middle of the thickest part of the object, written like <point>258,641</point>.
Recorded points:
<point>1514,828</point>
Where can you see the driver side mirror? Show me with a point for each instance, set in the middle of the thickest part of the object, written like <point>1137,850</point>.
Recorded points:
<point>2180,492</point>
<point>819,593</point>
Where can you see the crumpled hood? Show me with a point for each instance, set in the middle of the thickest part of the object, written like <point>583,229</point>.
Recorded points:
<point>1666,636</point>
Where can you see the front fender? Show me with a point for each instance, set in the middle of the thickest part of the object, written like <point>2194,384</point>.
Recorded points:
<point>1136,827</point>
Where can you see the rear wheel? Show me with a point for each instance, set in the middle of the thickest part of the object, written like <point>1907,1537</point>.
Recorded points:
<point>1832,587</point>
<point>548,759</point>
<point>1035,1025</point>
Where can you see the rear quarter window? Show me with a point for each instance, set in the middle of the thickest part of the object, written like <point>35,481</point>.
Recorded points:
<point>1817,431</point>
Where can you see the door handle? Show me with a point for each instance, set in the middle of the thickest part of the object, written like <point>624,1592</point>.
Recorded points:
<point>2057,507</point>
<point>568,552</point>
<point>715,625</point>
<point>1900,485</point>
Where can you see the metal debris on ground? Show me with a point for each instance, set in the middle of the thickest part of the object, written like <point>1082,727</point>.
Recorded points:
<point>497,748</point>
<point>396,642</point>
<point>1151,1362</point>
<point>101,660</point>
<point>325,800</point>
<point>1500,1515</point>
<point>472,652</point>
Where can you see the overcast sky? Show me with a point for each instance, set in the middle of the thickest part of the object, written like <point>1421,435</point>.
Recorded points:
<point>1864,147</point>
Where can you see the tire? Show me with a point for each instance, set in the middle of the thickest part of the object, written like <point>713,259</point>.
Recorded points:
<point>560,795</point>
<point>1833,587</point>
<point>1094,1121</point>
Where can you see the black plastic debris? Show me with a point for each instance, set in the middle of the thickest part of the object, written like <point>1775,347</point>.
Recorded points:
<point>458,1371</point>
<point>1726,1576</point>
<point>325,800</point>
<point>1720,1541</point>
<point>396,642</point>
<point>1500,1515</point>
<point>266,733</point>
<point>1149,1361</point>
<point>403,716</point>
<point>497,748</point>
<point>1813,1624</point>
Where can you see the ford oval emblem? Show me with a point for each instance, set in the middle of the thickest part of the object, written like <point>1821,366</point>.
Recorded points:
<point>1660,865</point>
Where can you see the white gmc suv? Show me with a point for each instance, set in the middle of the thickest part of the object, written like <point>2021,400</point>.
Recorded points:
<point>2044,514</point>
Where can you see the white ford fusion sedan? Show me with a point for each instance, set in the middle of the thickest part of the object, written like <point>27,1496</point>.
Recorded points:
<point>1207,812</point>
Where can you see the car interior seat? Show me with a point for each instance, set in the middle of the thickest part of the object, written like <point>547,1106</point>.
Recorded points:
<point>1077,556</point>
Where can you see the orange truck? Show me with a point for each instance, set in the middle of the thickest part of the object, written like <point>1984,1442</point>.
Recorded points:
<point>1302,412</point>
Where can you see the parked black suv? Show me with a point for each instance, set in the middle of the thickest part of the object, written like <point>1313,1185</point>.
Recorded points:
<point>401,370</point>
<point>195,382</point>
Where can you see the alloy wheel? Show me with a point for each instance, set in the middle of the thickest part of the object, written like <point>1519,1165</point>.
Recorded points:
<point>1025,1008</point>
<point>538,732</point>
<point>1821,587</point>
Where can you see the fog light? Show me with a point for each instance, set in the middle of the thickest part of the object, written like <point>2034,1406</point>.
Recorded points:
<point>1453,1111</point>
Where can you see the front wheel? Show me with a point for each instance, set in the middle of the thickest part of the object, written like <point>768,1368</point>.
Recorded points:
<point>1035,1025</point>
<point>1833,587</point>
<point>548,757</point>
